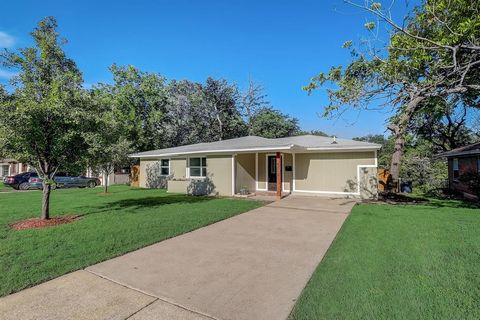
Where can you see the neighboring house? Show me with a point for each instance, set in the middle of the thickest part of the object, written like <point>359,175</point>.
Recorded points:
<point>461,161</point>
<point>119,176</point>
<point>309,165</point>
<point>11,167</point>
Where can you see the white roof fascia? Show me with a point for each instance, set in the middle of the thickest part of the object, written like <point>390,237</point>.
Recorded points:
<point>212,151</point>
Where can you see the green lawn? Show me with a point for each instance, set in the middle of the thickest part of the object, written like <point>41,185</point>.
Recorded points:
<point>111,225</point>
<point>399,262</point>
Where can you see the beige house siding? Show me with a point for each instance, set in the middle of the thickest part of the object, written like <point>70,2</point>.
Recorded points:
<point>178,168</point>
<point>330,172</point>
<point>287,175</point>
<point>219,170</point>
<point>262,179</point>
<point>368,183</point>
<point>245,172</point>
<point>336,173</point>
<point>144,164</point>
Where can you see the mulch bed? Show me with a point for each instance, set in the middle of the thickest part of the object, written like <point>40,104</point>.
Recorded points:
<point>35,223</point>
<point>397,198</point>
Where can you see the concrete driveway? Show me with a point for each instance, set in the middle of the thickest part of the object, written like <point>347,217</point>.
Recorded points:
<point>251,266</point>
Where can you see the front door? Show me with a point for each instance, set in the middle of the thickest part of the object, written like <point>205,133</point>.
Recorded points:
<point>272,173</point>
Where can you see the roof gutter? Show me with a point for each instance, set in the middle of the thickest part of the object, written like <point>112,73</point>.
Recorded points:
<point>291,147</point>
<point>458,154</point>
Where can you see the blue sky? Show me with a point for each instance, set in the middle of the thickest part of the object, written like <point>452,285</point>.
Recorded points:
<point>280,44</point>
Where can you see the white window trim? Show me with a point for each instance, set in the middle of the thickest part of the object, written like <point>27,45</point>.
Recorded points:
<point>188,168</point>
<point>169,170</point>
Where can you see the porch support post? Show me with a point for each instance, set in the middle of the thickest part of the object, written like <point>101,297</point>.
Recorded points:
<point>278,157</point>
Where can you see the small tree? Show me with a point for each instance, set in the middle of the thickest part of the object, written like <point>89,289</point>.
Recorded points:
<point>108,143</point>
<point>44,121</point>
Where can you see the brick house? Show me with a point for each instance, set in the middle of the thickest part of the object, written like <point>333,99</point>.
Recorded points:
<point>462,160</point>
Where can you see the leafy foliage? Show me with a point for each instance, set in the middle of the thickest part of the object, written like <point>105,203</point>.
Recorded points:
<point>271,123</point>
<point>472,181</point>
<point>434,55</point>
<point>43,122</point>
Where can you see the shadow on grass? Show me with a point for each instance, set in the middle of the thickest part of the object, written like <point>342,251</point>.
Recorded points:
<point>448,203</point>
<point>430,201</point>
<point>147,202</point>
<point>150,202</point>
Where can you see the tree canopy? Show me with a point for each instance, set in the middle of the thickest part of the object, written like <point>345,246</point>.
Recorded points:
<point>434,54</point>
<point>44,120</point>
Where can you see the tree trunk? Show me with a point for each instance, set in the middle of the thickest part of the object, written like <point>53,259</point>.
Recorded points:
<point>398,128</point>
<point>105,180</point>
<point>46,201</point>
<point>397,158</point>
<point>220,125</point>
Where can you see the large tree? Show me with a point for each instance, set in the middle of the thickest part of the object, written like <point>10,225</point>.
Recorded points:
<point>44,121</point>
<point>139,100</point>
<point>434,53</point>
<point>444,124</point>
<point>220,101</point>
<point>251,101</point>
<point>271,123</point>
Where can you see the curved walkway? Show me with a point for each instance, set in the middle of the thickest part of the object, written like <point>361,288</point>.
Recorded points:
<point>251,266</point>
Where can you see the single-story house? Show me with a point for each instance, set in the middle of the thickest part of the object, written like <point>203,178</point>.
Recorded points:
<point>462,161</point>
<point>309,165</point>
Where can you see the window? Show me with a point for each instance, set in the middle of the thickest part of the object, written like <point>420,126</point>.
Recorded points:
<point>4,170</point>
<point>164,167</point>
<point>456,171</point>
<point>198,167</point>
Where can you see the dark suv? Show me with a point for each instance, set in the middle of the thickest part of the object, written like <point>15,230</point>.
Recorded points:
<point>19,181</point>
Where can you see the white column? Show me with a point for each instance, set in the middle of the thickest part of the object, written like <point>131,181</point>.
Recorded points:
<point>233,174</point>
<point>293,171</point>
<point>256,171</point>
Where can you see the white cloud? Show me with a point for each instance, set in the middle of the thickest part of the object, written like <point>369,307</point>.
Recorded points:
<point>6,40</point>
<point>6,74</point>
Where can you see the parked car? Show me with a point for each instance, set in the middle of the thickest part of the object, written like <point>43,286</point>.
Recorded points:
<point>63,180</point>
<point>19,181</point>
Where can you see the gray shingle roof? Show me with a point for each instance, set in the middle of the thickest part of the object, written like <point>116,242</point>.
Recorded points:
<point>471,149</point>
<point>259,144</point>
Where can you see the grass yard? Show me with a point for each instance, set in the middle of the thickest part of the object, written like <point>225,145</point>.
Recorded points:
<point>111,225</point>
<point>399,262</point>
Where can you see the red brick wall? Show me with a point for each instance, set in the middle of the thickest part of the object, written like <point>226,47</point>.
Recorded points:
<point>465,165</point>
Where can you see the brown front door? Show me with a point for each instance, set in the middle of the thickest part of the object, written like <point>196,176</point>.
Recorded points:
<point>272,173</point>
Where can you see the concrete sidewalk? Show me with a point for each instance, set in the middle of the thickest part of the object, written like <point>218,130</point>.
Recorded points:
<point>251,266</point>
